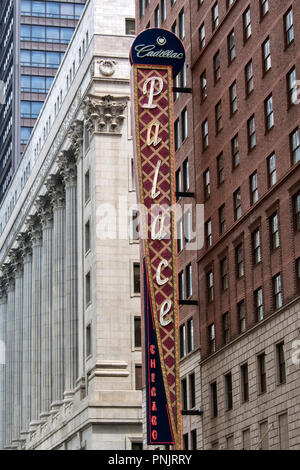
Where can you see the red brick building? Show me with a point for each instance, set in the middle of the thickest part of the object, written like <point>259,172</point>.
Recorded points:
<point>243,146</point>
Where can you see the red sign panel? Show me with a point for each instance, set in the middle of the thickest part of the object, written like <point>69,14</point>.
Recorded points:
<point>155,159</point>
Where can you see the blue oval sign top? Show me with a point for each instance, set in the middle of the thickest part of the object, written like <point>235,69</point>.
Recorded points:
<point>157,46</point>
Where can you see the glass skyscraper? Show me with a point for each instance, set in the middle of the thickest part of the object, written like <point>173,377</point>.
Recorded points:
<point>34,35</point>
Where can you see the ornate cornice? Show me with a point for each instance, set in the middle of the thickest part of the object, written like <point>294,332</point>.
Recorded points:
<point>67,167</point>
<point>76,137</point>
<point>56,190</point>
<point>104,114</point>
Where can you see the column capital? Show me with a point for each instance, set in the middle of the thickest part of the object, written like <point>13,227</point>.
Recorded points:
<point>25,245</point>
<point>68,167</point>
<point>16,258</point>
<point>3,289</point>
<point>104,114</point>
<point>76,137</point>
<point>9,276</point>
<point>44,208</point>
<point>33,223</point>
<point>56,190</point>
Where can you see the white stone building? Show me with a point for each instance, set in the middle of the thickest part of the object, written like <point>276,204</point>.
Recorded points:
<point>70,302</point>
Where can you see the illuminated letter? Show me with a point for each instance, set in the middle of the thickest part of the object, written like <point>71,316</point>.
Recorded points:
<point>153,392</point>
<point>165,308</point>
<point>160,281</point>
<point>153,377</point>
<point>152,349</point>
<point>154,421</point>
<point>154,407</point>
<point>155,193</point>
<point>152,81</point>
<point>154,435</point>
<point>161,233</point>
<point>155,140</point>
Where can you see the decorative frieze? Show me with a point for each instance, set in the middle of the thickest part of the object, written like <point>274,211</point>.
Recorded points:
<point>104,114</point>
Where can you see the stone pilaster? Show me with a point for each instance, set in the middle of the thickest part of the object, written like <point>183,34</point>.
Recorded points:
<point>57,194</point>
<point>26,249</point>
<point>16,257</point>
<point>68,168</point>
<point>34,225</point>
<point>3,313</point>
<point>45,211</point>
<point>8,273</point>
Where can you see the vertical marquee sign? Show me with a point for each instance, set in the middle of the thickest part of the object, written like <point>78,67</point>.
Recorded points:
<point>157,56</point>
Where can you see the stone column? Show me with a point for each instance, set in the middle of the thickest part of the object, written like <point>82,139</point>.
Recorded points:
<point>46,337</point>
<point>18,326</point>
<point>9,372</point>
<point>57,194</point>
<point>3,312</point>
<point>34,225</point>
<point>68,169</point>
<point>25,245</point>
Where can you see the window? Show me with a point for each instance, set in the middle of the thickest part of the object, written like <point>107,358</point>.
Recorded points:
<point>292,86</point>
<point>181,24</point>
<point>262,376</point>
<point>226,328</point>
<point>208,232</point>
<point>202,36</point>
<point>298,273</point>
<point>264,7</point>
<point>190,334</point>
<point>254,188</point>
<point>214,399</point>
<point>135,225</point>
<point>224,273</point>
<point>229,3</point>
<point>206,179</point>
<point>205,134</point>
<point>289,27</point>
<point>130,26</point>
<point>186,175</point>
<point>179,236</point>
<point>230,442</point>
<point>189,280</point>
<point>182,341</point>
<point>46,33</point>
<point>210,287</point>
<point>281,363</point>
<point>246,439</point>
<point>137,332</point>
<point>247,24</point>
<point>245,382</point>
<point>163,10</point>
<point>251,133</point>
<point>184,125</point>
<point>31,109</point>
<point>228,391</point>
<point>184,394</point>
<point>87,237</point>
<point>239,259</point>
<point>181,285</point>
<point>235,151</point>
<point>277,291</point>
<point>88,333</point>
<point>272,169</point>
<point>88,297</point>
<point>87,186</point>
<point>241,316</point>
<point>178,181</point>
<point>269,113</point>
<point>266,51</point>
<point>296,209</point>
<point>256,246</point>
<point>231,47</point>
<point>36,83</point>
<point>258,302</point>
<point>249,78</point>
<point>156,17</point>
<point>220,168</point>
<point>222,219</point>
<point>295,146</point>
<point>215,16</point>
<point>203,85</point>
<point>138,377</point>
<point>136,278</point>
<point>218,115</point>
<point>177,134</point>
<point>25,134</point>
<point>283,431</point>
<point>217,66</point>
<point>237,204</point>
<point>192,391</point>
<point>263,434</point>
<point>194,439</point>
<point>174,27</point>
<point>274,231</point>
